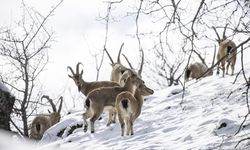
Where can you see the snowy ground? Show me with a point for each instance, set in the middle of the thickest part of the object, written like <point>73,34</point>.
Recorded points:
<point>211,113</point>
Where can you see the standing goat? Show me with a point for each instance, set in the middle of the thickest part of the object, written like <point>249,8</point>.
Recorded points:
<point>118,69</point>
<point>128,106</point>
<point>87,87</point>
<point>227,53</point>
<point>196,70</point>
<point>103,99</point>
<point>44,121</point>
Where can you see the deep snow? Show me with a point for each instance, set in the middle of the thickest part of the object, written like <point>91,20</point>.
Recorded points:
<point>211,113</point>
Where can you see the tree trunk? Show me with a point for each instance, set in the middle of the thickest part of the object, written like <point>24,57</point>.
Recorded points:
<point>6,106</point>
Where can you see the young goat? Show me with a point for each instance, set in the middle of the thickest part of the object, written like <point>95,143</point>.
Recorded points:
<point>128,106</point>
<point>87,87</point>
<point>103,99</point>
<point>196,70</point>
<point>227,52</point>
<point>44,121</point>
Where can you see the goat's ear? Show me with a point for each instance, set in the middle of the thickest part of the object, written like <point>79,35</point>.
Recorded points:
<point>81,73</point>
<point>70,76</point>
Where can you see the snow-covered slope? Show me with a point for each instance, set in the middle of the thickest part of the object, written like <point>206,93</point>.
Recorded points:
<point>210,114</point>
<point>208,117</point>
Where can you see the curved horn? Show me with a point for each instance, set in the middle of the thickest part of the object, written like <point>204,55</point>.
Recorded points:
<point>112,62</point>
<point>216,33</point>
<point>224,32</point>
<point>60,106</point>
<point>77,67</point>
<point>118,57</point>
<point>131,67</point>
<point>50,101</point>
<point>69,68</point>
<point>142,62</point>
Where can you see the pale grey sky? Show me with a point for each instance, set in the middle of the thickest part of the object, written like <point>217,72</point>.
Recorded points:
<point>77,34</point>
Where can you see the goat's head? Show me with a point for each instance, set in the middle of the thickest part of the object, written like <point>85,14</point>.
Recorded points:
<point>130,76</point>
<point>141,65</point>
<point>224,37</point>
<point>117,68</point>
<point>77,77</point>
<point>144,90</point>
<point>55,114</point>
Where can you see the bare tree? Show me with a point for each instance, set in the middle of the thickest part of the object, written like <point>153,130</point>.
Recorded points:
<point>25,53</point>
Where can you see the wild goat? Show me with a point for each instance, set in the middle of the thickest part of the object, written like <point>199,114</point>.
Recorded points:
<point>227,53</point>
<point>87,87</point>
<point>118,69</point>
<point>103,99</point>
<point>128,106</point>
<point>196,70</point>
<point>44,121</point>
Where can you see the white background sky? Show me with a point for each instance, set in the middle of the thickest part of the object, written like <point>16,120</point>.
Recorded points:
<point>77,34</point>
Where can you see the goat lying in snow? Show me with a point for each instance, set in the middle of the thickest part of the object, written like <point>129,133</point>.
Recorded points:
<point>226,47</point>
<point>44,121</point>
<point>104,98</point>
<point>196,70</point>
<point>128,106</point>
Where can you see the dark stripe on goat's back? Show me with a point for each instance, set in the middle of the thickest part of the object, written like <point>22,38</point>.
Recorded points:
<point>124,103</point>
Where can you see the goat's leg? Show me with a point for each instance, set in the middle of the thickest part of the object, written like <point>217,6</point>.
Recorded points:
<point>86,115</point>
<point>228,63</point>
<point>218,66</point>
<point>232,68</point>
<point>112,117</point>
<point>131,128</point>
<point>128,124</point>
<point>93,119</point>
<point>223,67</point>
<point>121,121</point>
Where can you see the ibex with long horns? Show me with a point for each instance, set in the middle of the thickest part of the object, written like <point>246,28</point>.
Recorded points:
<point>227,52</point>
<point>118,69</point>
<point>87,87</point>
<point>44,121</point>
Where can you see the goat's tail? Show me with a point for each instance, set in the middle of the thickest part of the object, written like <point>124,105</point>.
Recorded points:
<point>124,103</point>
<point>124,100</point>
<point>187,74</point>
<point>87,103</point>
<point>38,127</point>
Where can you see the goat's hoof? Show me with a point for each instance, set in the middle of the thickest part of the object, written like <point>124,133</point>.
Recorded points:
<point>92,131</point>
<point>100,118</point>
<point>108,125</point>
<point>85,128</point>
<point>113,121</point>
